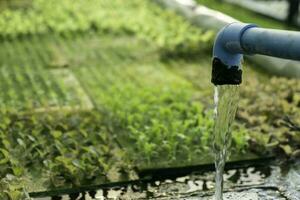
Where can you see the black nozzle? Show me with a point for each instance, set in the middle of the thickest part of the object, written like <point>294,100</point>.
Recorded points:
<point>225,75</point>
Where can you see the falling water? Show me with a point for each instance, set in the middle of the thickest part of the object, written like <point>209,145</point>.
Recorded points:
<point>226,101</point>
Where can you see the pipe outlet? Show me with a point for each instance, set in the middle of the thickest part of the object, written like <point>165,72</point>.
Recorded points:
<point>237,39</point>
<point>228,54</point>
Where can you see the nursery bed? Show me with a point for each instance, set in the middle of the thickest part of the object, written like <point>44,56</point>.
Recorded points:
<point>95,103</point>
<point>130,89</point>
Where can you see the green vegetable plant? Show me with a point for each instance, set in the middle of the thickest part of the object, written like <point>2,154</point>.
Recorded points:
<point>143,19</point>
<point>68,149</point>
<point>152,112</point>
<point>11,189</point>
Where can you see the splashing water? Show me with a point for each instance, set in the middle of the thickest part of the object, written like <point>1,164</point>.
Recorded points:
<point>226,101</point>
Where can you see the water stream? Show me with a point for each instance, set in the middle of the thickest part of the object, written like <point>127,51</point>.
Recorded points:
<point>226,100</point>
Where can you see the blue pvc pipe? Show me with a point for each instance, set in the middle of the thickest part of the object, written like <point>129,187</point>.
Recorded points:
<point>237,39</point>
<point>271,42</point>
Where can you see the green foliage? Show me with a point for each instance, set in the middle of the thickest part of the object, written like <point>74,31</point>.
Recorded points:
<point>269,108</point>
<point>12,188</point>
<point>25,88</point>
<point>64,149</point>
<point>15,4</point>
<point>31,80</point>
<point>275,119</point>
<point>141,18</point>
<point>154,114</point>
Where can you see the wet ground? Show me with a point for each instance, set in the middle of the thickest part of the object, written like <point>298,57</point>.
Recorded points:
<point>261,183</point>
